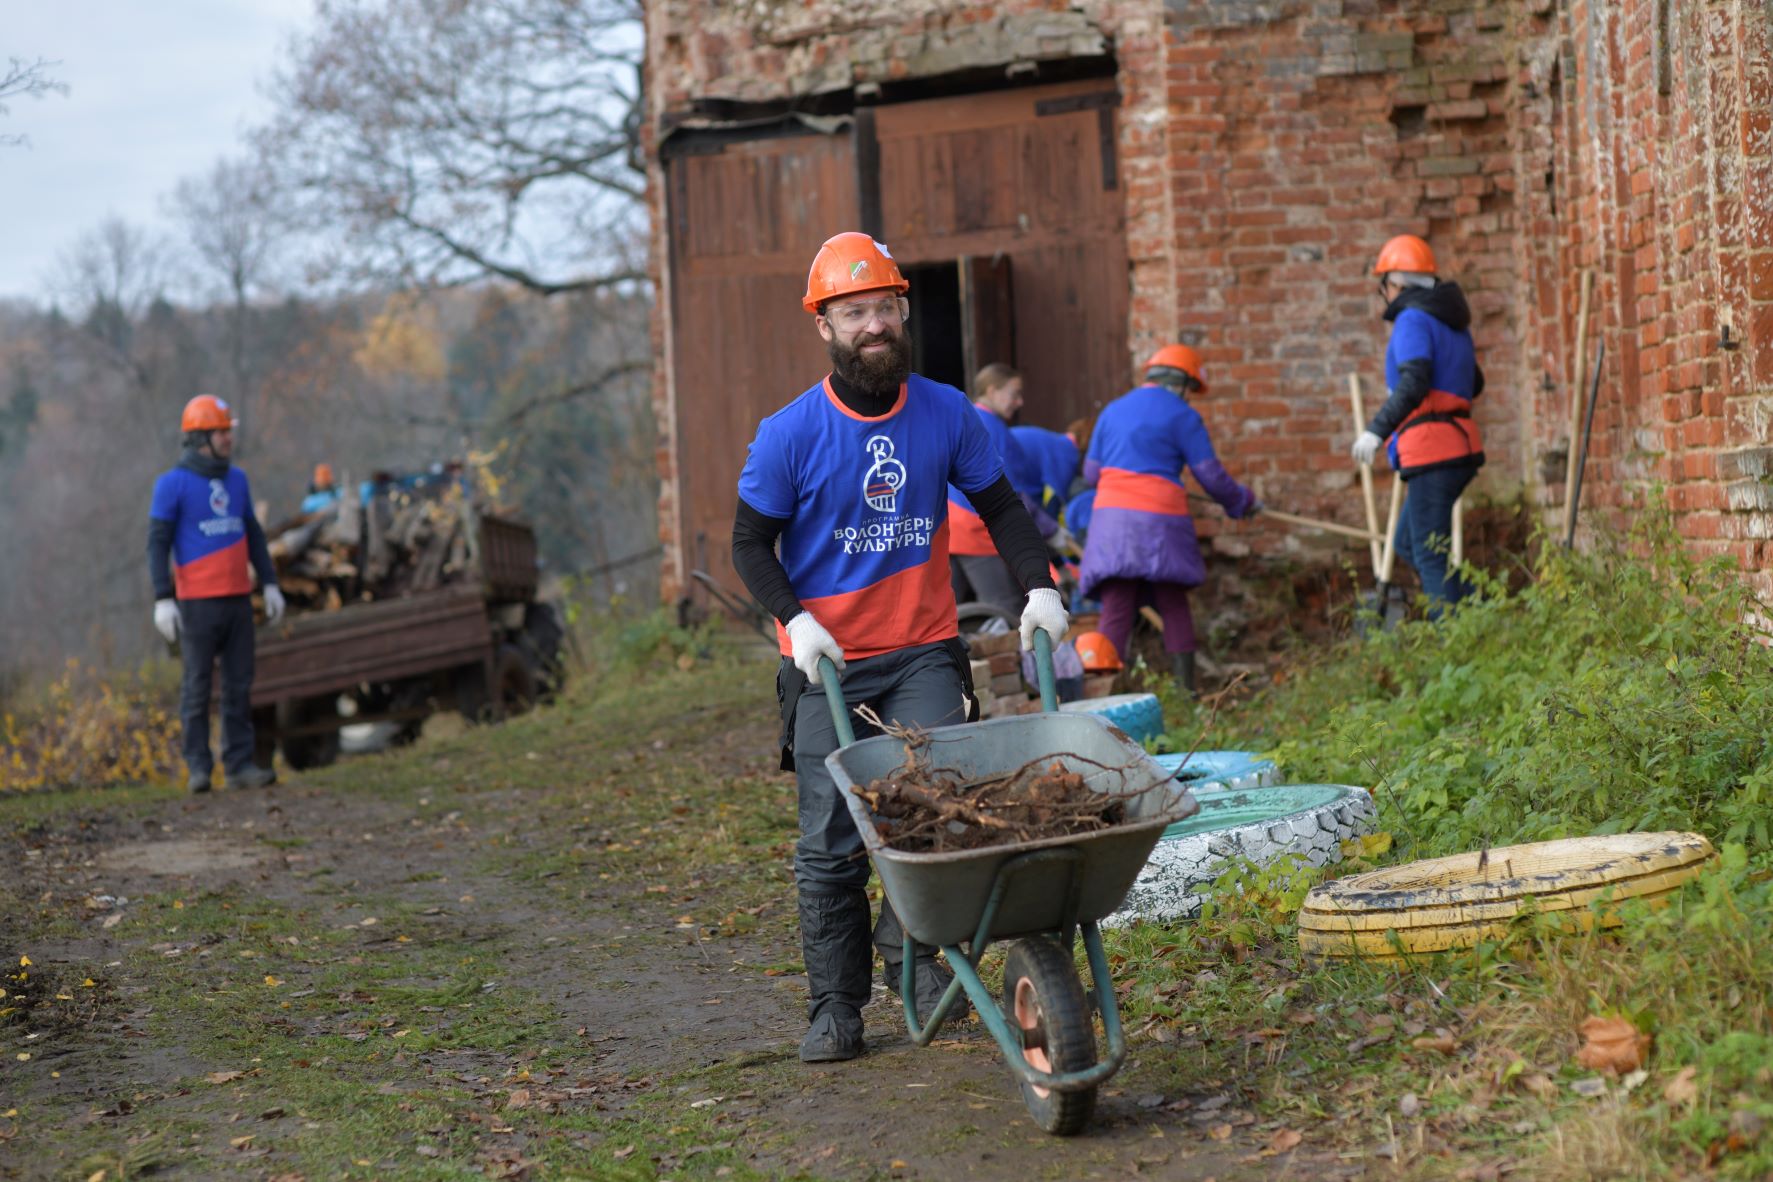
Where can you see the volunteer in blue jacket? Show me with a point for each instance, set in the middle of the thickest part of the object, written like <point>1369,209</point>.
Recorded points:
<point>202,536</point>
<point>978,573</point>
<point>1432,377</point>
<point>1141,543</point>
<point>851,478</point>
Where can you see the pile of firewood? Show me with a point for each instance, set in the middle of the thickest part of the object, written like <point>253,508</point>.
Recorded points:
<point>403,541</point>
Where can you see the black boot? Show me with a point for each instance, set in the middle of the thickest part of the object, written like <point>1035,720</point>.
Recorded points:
<point>930,977</point>
<point>1182,669</point>
<point>834,943</point>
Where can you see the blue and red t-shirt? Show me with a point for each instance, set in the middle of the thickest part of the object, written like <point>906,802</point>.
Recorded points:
<point>209,517</point>
<point>969,533</point>
<point>866,500</point>
<point>1142,441</point>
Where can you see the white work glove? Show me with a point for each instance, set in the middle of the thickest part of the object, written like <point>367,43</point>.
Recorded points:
<point>273,603</point>
<point>807,642</point>
<point>1365,447</point>
<point>166,619</point>
<point>1046,611</point>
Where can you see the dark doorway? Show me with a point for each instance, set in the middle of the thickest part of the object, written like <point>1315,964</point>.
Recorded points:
<point>937,349</point>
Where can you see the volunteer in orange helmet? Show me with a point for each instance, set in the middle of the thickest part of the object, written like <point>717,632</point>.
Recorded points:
<point>323,492</point>
<point>202,539</point>
<point>1141,545</point>
<point>1431,377</point>
<point>851,479</point>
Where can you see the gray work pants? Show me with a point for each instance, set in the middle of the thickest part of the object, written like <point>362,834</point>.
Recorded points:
<point>212,630</point>
<point>912,687</point>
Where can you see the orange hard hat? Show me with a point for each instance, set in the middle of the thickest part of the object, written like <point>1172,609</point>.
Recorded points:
<point>1406,252</point>
<point>1097,653</point>
<point>848,263</point>
<point>1179,357</point>
<point>323,475</point>
<point>206,412</point>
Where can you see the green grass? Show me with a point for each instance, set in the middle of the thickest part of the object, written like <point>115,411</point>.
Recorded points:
<point>1618,691</point>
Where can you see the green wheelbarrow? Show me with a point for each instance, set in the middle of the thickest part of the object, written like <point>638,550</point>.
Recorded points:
<point>1040,894</point>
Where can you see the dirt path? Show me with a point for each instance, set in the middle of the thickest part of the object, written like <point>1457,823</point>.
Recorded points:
<point>589,929</point>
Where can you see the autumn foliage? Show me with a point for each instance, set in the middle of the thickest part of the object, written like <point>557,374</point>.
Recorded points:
<point>89,732</point>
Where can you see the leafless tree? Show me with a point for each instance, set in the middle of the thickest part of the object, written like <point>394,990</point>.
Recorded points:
<point>232,219</point>
<point>29,79</point>
<point>107,279</point>
<point>461,139</point>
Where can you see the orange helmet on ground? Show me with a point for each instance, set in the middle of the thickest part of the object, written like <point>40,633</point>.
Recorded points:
<point>848,263</point>
<point>206,412</point>
<point>323,475</point>
<point>1178,357</point>
<point>1406,252</point>
<point>1097,653</point>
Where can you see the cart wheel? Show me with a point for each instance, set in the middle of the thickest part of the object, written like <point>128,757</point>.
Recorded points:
<point>1044,999</point>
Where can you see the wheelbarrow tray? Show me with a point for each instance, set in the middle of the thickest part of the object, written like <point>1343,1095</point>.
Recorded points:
<point>940,897</point>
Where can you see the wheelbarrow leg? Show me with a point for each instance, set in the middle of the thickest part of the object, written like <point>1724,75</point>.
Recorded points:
<point>912,970</point>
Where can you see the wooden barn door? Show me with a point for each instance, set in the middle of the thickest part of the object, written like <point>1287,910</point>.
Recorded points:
<point>746,218</point>
<point>1019,189</point>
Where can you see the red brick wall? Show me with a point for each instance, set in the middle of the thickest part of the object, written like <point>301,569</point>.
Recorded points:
<point>1268,147</point>
<point>1650,119</point>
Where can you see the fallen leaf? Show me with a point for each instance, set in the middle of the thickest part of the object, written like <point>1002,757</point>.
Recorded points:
<point>1408,1104</point>
<point>1632,1082</point>
<point>273,982</point>
<point>1220,1132</point>
<point>518,1099</point>
<point>1683,1088</point>
<point>1538,1083</point>
<point>427,1151</point>
<point>24,1056</point>
<point>1446,1044</point>
<point>1285,1139</point>
<point>97,1176</point>
<point>1746,1127</point>
<point>624,1151</point>
<point>89,983</point>
<point>240,1142</point>
<point>24,962</point>
<point>898,1163</point>
<point>1612,1045</point>
<point>111,921</point>
<point>222,1077</point>
<point>1591,1087</point>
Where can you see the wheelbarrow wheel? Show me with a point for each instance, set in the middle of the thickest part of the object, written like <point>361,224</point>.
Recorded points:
<point>1044,999</point>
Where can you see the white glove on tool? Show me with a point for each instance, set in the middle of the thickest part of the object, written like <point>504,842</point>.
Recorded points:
<point>1365,447</point>
<point>273,604</point>
<point>1046,611</point>
<point>166,619</point>
<point>807,642</point>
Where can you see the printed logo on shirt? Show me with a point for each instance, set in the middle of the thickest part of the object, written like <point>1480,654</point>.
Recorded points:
<point>884,478</point>
<point>223,522</point>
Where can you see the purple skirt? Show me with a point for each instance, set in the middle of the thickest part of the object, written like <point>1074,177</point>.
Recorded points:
<point>1134,544</point>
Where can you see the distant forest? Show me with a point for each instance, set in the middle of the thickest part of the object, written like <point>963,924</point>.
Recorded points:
<point>433,251</point>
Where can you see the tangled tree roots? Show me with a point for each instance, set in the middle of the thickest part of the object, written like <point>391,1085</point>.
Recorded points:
<point>920,808</point>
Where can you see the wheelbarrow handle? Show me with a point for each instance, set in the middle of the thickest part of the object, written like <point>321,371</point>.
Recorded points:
<point>840,715</point>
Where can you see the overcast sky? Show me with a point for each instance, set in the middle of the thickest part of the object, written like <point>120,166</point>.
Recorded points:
<point>157,91</point>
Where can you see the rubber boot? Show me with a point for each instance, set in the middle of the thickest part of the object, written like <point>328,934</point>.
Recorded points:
<point>1182,669</point>
<point>930,977</point>
<point>834,943</point>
